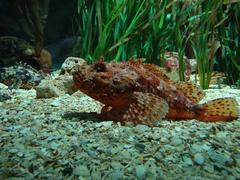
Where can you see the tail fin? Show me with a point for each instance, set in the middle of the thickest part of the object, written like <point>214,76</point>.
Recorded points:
<point>222,109</point>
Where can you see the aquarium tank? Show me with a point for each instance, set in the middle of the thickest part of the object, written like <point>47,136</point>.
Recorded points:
<point>119,89</point>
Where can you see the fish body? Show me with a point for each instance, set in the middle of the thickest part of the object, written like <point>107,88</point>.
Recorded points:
<point>143,94</point>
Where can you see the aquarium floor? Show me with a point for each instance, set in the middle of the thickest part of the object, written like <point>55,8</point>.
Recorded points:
<point>52,139</point>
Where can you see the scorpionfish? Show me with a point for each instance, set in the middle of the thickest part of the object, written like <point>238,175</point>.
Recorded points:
<point>141,93</point>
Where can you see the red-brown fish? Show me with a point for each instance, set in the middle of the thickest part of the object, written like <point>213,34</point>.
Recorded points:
<point>143,94</point>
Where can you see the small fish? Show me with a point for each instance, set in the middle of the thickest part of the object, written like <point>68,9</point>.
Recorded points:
<point>141,93</point>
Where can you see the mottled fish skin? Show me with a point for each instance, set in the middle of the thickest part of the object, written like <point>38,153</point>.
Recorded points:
<point>143,94</point>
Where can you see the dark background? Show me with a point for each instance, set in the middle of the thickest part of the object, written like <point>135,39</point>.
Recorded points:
<point>59,38</point>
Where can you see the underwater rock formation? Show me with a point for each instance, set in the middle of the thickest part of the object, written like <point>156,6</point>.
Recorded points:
<point>20,76</point>
<point>59,86</point>
<point>14,50</point>
<point>63,83</point>
<point>140,93</point>
<point>69,64</point>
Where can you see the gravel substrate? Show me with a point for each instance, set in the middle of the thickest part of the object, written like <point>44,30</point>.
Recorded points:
<point>52,139</point>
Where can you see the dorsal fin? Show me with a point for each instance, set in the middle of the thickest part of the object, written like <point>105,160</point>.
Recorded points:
<point>156,70</point>
<point>191,91</point>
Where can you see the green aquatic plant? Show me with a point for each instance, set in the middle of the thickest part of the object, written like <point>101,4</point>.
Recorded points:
<point>182,32</point>
<point>229,38</point>
<point>106,27</point>
<point>203,41</point>
<point>121,29</point>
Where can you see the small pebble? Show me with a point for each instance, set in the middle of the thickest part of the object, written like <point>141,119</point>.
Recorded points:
<point>219,157</point>
<point>56,102</point>
<point>187,161</point>
<point>141,171</point>
<point>81,171</point>
<point>38,141</point>
<point>141,128</point>
<point>176,141</point>
<point>199,158</point>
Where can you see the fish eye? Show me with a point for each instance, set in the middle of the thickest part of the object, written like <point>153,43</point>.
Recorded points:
<point>100,67</point>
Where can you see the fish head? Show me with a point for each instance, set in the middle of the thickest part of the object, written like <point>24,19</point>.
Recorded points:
<point>87,77</point>
<point>105,82</point>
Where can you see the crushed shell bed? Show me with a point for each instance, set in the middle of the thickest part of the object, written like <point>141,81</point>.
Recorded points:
<point>49,138</point>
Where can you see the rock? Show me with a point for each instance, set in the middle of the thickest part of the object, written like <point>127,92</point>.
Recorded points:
<point>13,50</point>
<point>116,165</point>
<point>4,96</point>
<point>141,128</point>
<point>209,168</point>
<point>125,155</point>
<point>158,156</point>
<point>187,161</point>
<point>140,147</point>
<point>141,171</point>
<point>96,175</point>
<point>3,86</point>
<point>127,146</point>
<point>151,169</point>
<point>193,63</point>
<point>219,157</point>
<point>196,148</point>
<point>156,136</point>
<point>178,129</point>
<point>117,174</point>
<point>44,61</point>
<point>56,102</point>
<point>63,83</point>
<point>107,124</point>
<point>81,171</point>
<point>176,141</point>
<point>69,64</point>
<point>199,158</point>
<point>92,153</point>
<point>56,87</point>
<point>164,140</point>
<point>20,76</point>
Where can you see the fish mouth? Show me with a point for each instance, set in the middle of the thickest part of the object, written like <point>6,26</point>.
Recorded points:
<point>83,79</point>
